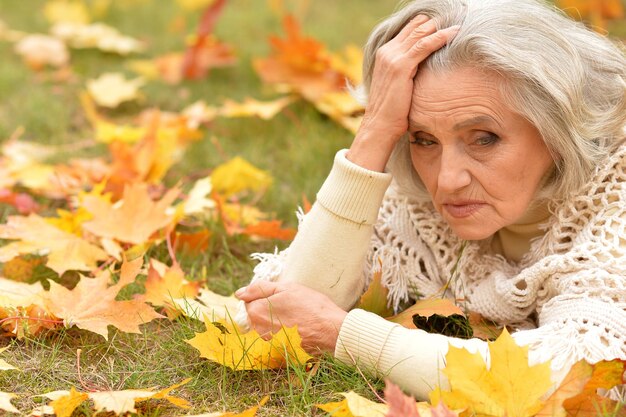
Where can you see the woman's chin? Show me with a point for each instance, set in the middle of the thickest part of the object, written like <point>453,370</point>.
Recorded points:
<point>472,232</point>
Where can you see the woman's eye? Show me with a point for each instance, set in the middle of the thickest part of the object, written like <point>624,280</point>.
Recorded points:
<point>416,140</point>
<point>488,139</point>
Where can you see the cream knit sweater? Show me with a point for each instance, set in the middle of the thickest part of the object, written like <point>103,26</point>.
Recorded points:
<point>566,296</point>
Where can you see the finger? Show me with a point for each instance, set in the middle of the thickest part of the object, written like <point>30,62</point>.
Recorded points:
<point>425,46</point>
<point>421,31</point>
<point>418,20</point>
<point>258,289</point>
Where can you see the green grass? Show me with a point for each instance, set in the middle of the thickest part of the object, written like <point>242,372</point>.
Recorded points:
<point>296,147</point>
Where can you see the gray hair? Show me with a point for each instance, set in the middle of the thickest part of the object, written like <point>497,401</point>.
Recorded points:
<point>567,80</point>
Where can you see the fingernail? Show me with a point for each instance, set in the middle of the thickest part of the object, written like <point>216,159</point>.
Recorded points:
<point>240,291</point>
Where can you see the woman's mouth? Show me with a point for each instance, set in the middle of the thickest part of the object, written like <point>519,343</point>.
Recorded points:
<point>462,209</point>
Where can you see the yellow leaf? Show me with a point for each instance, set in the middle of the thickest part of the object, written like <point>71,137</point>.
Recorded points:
<point>73,11</point>
<point>5,402</point>
<point>350,63</point>
<point>70,221</point>
<point>251,107</point>
<point>65,251</point>
<point>354,405</point>
<point>92,304</point>
<point>193,5</point>
<point>4,366</point>
<point>208,304</point>
<point>64,406</point>
<point>509,388</point>
<point>225,344</point>
<point>96,35</point>
<point>132,220</point>
<point>112,89</point>
<point>238,175</point>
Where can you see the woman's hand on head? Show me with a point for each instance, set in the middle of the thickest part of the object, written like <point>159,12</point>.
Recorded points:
<point>272,305</point>
<point>387,111</point>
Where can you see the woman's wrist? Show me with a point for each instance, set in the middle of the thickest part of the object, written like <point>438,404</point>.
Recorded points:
<point>371,150</point>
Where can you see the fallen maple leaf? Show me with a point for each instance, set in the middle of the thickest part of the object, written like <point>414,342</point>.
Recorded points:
<point>353,405</point>
<point>595,11</point>
<point>118,402</point>
<point>65,405</point>
<point>41,50</point>
<point>73,11</point>
<point>374,299</point>
<point>250,412</point>
<point>4,366</point>
<point>510,387</point>
<point>238,175</point>
<point>401,405</point>
<point>604,375</point>
<point>271,229</point>
<point>132,220</point>
<point>112,89</point>
<point>5,402</point>
<point>225,344</point>
<point>92,304</point>
<point>35,235</point>
<point>164,284</point>
<point>96,35</point>
<point>199,56</point>
<point>426,307</point>
<point>251,107</point>
<point>23,202</point>
<point>209,305</point>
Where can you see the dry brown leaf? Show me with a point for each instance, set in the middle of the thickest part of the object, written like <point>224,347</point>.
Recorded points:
<point>426,307</point>
<point>132,220</point>
<point>225,344</point>
<point>92,306</point>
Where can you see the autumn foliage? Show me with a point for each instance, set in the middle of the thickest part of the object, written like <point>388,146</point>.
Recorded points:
<point>93,243</point>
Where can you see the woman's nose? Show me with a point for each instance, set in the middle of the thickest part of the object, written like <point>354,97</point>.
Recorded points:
<point>454,174</point>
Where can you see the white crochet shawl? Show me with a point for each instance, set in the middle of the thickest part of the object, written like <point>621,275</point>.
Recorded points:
<point>571,285</point>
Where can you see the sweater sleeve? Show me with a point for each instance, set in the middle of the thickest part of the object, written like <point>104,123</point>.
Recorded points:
<point>410,358</point>
<point>332,240</point>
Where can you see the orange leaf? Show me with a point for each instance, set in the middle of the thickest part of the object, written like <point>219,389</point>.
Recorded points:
<point>192,243</point>
<point>134,219</point>
<point>194,63</point>
<point>163,284</point>
<point>92,306</point>
<point>270,229</point>
<point>426,308</point>
<point>605,375</point>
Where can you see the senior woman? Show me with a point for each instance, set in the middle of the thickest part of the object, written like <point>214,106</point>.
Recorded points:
<point>500,126</point>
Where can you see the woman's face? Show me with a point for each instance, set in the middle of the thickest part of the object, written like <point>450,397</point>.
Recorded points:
<point>481,162</point>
